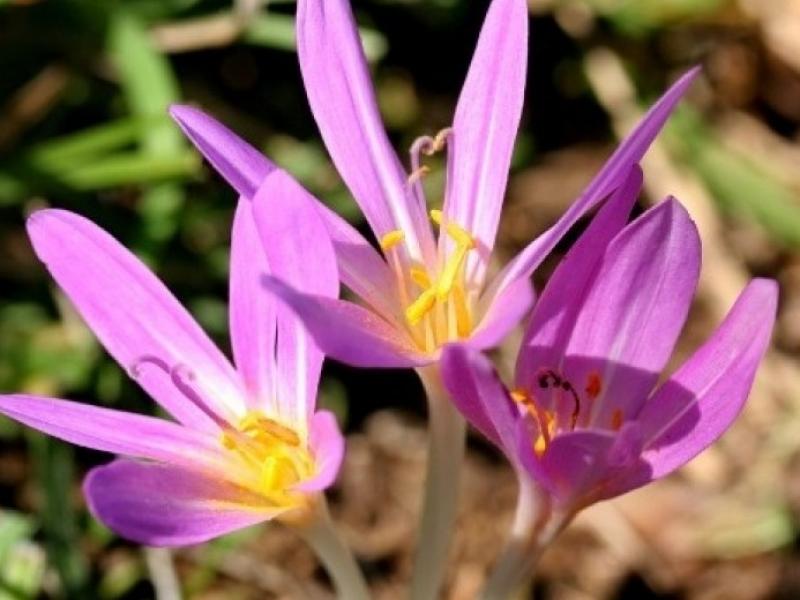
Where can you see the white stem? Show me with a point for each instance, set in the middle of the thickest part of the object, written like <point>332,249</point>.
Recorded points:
<point>447,433</point>
<point>532,531</point>
<point>162,573</point>
<point>335,555</point>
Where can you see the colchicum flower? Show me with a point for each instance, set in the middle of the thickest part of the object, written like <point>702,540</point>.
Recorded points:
<point>421,291</point>
<point>248,444</point>
<point>586,419</point>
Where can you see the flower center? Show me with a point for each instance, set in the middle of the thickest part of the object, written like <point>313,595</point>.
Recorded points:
<point>437,307</point>
<point>274,455</point>
<point>557,406</point>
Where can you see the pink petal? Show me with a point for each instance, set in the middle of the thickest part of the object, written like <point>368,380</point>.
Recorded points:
<point>350,333</point>
<point>134,315</point>
<point>327,445</point>
<point>162,505</point>
<point>113,431</point>
<point>553,319</point>
<point>629,153</point>
<point>635,310</point>
<point>238,162</point>
<point>574,462</point>
<point>253,311</point>
<point>584,466</point>
<point>506,311</point>
<point>476,390</point>
<point>299,251</point>
<point>361,268</point>
<point>703,398</point>
<point>485,127</point>
<point>343,102</point>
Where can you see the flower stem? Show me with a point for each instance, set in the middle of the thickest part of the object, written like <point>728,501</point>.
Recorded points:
<point>335,555</point>
<point>447,433</point>
<point>533,529</point>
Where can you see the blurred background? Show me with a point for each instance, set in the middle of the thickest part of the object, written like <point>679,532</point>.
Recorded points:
<point>84,85</point>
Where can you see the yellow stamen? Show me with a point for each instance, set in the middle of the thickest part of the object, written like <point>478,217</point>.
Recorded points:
<point>519,396</point>
<point>421,306</point>
<point>545,419</point>
<point>420,277</point>
<point>463,319</point>
<point>616,419</point>
<point>273,455</point>
<point>540,446</point>
<point>460,236</point>
<point>451,271</point>
<point>391,239</point>
<point>595,386</point>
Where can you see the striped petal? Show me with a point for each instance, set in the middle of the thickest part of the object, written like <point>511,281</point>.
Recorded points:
<point>135,317</point>
<point>343,102</point>
<point>238,162</point>
<point>162,505</point>
<point>553,319</point>
<point>480,396</point>
<point>253,311</point>
<point>327,445</point>
<point>629,153</point>
<point>113,431</point>
<point>634,311</point>
<point>485,127</point>
<point>350,333</point>
<point>703,398</point>
<point>361,268</point>
<point>299,251</point>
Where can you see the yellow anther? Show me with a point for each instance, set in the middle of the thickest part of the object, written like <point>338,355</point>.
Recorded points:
<point>463,319</point>
<point>520,396</point>
<point>262,428</point>
<point>451,271</point>
<point>421,306</point>
<point>540,446</point>
<point>273,455</point>
<point>391,239</point>
<point>460,236</point>
<point>420,277</point>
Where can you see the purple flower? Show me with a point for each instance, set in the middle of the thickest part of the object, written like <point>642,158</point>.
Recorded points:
<point>421,291</point>
<point>586,419</point>
<point>248,444</point>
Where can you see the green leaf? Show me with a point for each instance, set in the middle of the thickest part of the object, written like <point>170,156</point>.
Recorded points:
<point>131,168</point>
<point>148,82</point>
<point>150,86</point>
<point>87,145</point>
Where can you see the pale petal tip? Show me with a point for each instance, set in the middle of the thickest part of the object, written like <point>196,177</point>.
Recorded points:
<point>182,113</point>
<point>37,222</point>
